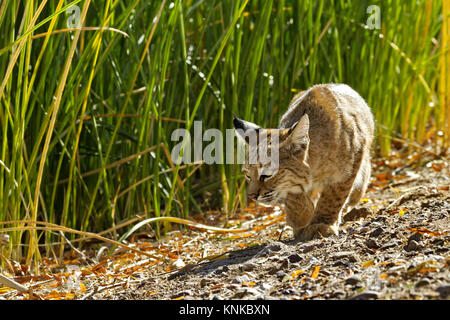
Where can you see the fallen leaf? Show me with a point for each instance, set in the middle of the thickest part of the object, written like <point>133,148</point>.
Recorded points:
<point>383,276</point>
<point>315,272</point>
<point>368,264</point>
<point>296,273</point>
<point>426,231</point>
<point>248,283</point>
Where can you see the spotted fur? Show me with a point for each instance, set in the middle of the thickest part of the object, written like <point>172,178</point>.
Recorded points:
<point>325,138</point>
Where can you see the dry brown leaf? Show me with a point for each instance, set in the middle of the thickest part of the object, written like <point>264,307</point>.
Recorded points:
<point>426,231</point>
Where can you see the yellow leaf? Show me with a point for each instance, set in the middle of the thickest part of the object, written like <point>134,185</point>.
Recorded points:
<point>82,287</point>
<point>315,272</point>
<point>368,264</point>
<point>401,213</point>
<point>248,283</point>
<point>383,276</point>
<point>364,200</point>
<point>296,273</point>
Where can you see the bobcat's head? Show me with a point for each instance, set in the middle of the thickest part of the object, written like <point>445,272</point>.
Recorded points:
<point>271,182</point>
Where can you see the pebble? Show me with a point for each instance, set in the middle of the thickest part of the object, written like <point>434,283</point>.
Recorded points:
<point>412,246</point>
<point>221,269</point>
<point>366,295</point>
<point>353,280</point>
<point>289,291</point>
<point>285,264</point>
<point>280,274</point>
<point>265,287</point>
<point>350,255</point>
<point>415,237</point>
<point>389,244</point>
<point>422,283</point>
<point>372,244</point>
<point>204,282</point>
<point>293,258</point>
<point>179,263</point>
<point>325,272</point>
<point>338,293</point>
<point>240,279</point>
<point>312,247</point>
<point>275,246</point>
<point>248,267</point>
<point>375,233</point>
<point>181,294</point>
<point>444,291</point>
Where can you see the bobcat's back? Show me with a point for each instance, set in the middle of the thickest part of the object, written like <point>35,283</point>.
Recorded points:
<point>341,129</point>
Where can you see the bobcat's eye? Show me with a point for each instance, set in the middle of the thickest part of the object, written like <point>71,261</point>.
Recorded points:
<point>264,177</point>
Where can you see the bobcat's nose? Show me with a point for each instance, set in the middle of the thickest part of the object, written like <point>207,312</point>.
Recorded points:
<point>253,196</point>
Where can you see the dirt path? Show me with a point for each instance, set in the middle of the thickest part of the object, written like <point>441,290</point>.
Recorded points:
<point>394,246</point>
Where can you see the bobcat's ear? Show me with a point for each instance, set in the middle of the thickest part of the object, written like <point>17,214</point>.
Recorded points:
<point>244,129</point>
<point>298,133</point>
<point>300,129</point>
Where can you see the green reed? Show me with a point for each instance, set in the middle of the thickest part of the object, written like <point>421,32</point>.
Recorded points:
<point>87,114</point>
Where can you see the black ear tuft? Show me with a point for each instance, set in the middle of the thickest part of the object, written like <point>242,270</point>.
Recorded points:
<point>238,124</point>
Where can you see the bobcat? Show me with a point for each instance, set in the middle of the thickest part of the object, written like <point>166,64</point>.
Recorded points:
<point>324,142</point>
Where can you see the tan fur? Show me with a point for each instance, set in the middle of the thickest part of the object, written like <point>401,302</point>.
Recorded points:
<point>325,140</point>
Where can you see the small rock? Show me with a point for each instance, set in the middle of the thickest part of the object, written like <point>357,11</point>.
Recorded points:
<point>293,258</point>
<point>441,249</point>
<point>204,282</point>
<point>248,267</point>
<point>325,272</point>
<point>240,279</point>
<point>363,229</point>
<point>221,269</point>
<point>366,295</point>
<point>265,287</point>
<point>389,244</point>
<point>239,294</point>
<point>415,237</point>
<point>350,255</point>
<point>372,244</point>
<point>179,263</point>
<point>285,264</point>
<point>444,291</point>
<point>422,283</point>
<point>280,274</point>
<point>312,247</point>
<point>275,246</point>
<point>182,294</point>
<point>375,233</point>
<point>272,247</point>
<point>289,292</point>
<point>337,293</point>
<point>353,280</point>
<point>412,246</point>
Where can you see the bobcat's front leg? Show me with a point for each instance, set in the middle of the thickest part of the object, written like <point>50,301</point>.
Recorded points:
<point>299,211</point>
<point>327,215</point>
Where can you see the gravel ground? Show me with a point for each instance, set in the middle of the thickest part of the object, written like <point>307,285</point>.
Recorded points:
<point>395,245</point>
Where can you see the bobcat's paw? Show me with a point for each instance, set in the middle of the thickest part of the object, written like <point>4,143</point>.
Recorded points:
<point>314,231</point>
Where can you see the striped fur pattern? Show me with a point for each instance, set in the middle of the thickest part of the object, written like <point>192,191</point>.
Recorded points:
<point>324,159</point>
